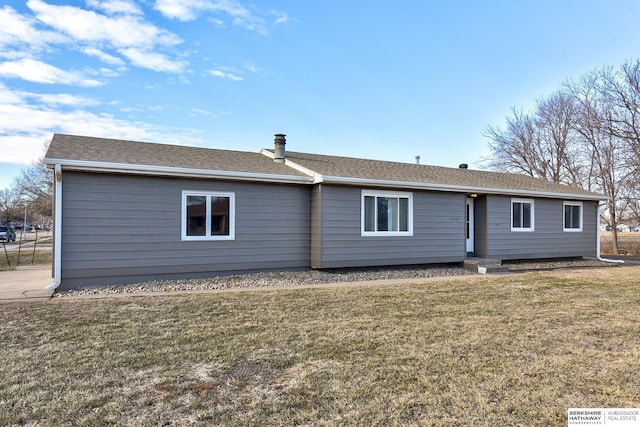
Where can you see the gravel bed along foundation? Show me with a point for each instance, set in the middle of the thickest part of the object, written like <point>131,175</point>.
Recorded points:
<point>275,279</point>
<point>314,277</point>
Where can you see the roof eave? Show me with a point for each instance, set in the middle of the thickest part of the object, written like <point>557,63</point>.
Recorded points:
<point>125,168</point>
<point>458,188</point>
<point>105,167</point>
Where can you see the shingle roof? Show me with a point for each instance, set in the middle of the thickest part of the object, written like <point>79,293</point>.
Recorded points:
<point>113,151</point>
<point>103,154</point>
<point>334,168</point>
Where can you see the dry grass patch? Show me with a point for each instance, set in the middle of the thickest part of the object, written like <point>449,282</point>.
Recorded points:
<point>9,260</point>
<point>628,243</point>
<point>511,350</point>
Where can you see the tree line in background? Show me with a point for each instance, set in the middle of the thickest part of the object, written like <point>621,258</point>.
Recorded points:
<point>586,134</point>
<point>30,196</point>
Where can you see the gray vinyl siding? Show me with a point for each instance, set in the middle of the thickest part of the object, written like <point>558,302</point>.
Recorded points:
<point>548,240</point>
<point>480,227</point>
<point>316,226</point>
<point>123,229</point>
<point>438,231</point>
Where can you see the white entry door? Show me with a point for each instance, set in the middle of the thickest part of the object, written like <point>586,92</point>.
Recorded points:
<point>469,226</point>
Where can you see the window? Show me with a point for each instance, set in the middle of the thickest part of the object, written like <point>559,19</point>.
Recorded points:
<point>572,216</point>
<point>386,214</point>
<point>208,216</point>
<point>522,215</point>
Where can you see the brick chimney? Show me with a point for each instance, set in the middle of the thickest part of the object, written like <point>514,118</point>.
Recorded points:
<point>279,151</point>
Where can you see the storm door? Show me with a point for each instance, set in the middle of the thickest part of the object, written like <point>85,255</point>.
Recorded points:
<point>469,226</point>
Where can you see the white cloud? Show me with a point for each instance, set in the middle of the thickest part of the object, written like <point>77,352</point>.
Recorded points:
<point>153,61</point>
<point>129,109</point>
<point>224,75</point>
<point>123,29</point>
<point>27,112</point>
<point>40,72</point>
<point>202,112</point>
<point>113,28</point>
<point>87,26</point>
<point>115,6</point>
<point>26,122</point>
<point>251,67</point>
<point>183,10</point>
<point>63,99</point>
<point>188,10</point>
<point>17,29</point>
<point>11,96</point>
<point>218,22</point>
<point>103,56</point>
<point>23,149</point>
<point>107,72</point>
<point>281,17</point>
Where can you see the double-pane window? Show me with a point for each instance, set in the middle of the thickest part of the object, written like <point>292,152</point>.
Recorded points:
<point>522,215</point>
<point>572,216</point>
<point>208,216</point>
<point>385,213</point>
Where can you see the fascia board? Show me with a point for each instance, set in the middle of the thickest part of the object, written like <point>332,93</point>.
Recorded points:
<point>456,188</point>
<point>82,165</point>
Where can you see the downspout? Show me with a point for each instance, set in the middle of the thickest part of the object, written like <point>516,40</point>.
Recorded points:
<point>57,229</point>
<point>616,261</point>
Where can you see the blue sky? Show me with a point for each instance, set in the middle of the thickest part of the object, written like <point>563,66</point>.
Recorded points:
<point>384,79</point>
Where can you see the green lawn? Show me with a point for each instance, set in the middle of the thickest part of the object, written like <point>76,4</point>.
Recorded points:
<point>481,351</point>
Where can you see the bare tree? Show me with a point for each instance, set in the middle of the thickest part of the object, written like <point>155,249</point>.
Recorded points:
<point>555,119</point>
<point>586,134</point>
<point>610,179</point>
<point>35,182</point>
<point>605,151</point>
<point>9,206</point>
<point>35,186</point>
<point>540,144</point>
<point>514,148</point>
<point>622,90</point>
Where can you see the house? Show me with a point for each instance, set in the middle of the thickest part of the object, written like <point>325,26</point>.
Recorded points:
<point>132,211</point>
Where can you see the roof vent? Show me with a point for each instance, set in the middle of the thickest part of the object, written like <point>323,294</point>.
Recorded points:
<point>279,151</point>
<point>417,160</point>
<point>463,166</point>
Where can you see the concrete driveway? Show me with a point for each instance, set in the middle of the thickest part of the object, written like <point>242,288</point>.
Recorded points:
<point>25,283</point>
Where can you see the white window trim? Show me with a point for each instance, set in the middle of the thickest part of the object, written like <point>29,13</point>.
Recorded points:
<point>208,195</point>
<point>397,194</point>
<point>572,230</point>
<point>533,215</point>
